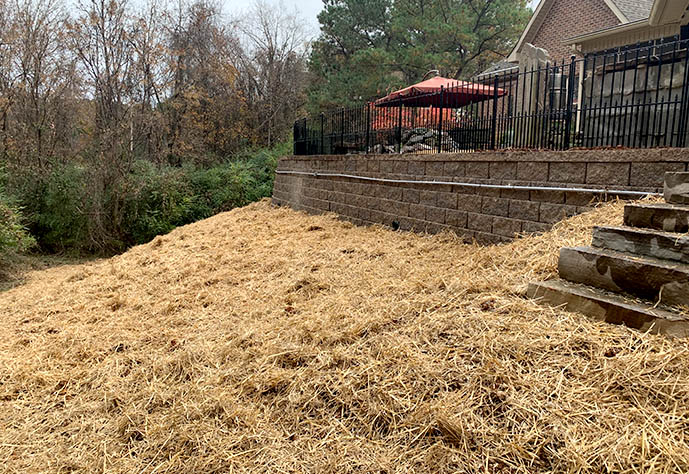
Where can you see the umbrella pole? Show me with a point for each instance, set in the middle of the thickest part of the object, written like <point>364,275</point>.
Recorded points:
<point>399,131</point>
<point>440,120</point>
<point>494,122</point>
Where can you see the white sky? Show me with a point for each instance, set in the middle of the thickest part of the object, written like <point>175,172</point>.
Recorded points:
<point>308,9</point>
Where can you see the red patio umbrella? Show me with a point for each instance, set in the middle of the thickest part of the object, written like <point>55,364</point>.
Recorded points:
<point>426,93</point>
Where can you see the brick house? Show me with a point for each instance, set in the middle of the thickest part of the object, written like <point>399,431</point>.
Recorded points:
<point>554,21</point>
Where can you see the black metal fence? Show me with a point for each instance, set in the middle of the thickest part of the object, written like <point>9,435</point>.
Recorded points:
<point>633,97</point>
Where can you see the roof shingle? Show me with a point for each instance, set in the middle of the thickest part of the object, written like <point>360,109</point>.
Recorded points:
<point>634,9</point>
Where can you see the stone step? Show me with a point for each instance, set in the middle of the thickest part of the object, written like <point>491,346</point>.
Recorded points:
<point>677,188</point>
<point>645,277</point>
<point>661,216</point>
<point>654,243</point>
<point>611,308</point>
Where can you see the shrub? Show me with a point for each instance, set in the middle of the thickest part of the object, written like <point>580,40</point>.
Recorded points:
<point>13,234</point>
<point>56,204</point>
<point>160,198</point>
<point>80,208</point>
<point>155,201</point>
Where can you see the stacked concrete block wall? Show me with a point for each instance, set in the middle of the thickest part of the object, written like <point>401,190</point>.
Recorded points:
<point>436,192</point>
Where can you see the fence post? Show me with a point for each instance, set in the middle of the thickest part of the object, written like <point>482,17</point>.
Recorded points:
<point>368,126</point>
<point>399,130</point>
<point>322,133</point>
<point>682,125</point>
<point>440,119</point>
<point>570,101</point>
<point>494,121</point>
<point>342,127</point>
<point>294,137</point>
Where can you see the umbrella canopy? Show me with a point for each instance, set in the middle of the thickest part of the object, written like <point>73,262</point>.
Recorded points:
<point>427,93</point>
<point>389,118</point>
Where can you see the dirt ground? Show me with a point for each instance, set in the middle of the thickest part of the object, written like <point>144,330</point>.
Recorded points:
<point>266,340</point>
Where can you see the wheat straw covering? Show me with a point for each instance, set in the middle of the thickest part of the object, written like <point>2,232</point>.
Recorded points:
<point>266,340</point>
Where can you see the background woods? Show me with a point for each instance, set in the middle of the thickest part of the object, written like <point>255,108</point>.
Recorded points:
<point>119,121</point>
<point>160,81</point>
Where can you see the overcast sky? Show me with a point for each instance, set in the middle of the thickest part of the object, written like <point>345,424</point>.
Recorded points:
<point>308,9</point>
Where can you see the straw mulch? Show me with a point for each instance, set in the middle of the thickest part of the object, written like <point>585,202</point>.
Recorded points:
<point>266,340</point>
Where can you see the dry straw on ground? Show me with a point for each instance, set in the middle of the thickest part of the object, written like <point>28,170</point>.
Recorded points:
<point>265,340</point>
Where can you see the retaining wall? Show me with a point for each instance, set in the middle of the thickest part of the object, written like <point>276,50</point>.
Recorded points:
<point>486,214</point>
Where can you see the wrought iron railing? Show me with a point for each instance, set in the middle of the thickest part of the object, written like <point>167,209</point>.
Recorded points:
<point>630,97</point>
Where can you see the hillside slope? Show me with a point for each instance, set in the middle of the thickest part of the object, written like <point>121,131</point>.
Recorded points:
<point>266,340</point>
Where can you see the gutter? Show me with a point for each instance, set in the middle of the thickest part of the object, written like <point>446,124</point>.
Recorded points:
<point>631,26</point>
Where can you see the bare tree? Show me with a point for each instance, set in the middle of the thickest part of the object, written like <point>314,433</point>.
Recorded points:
<point>45,80</point>
<point>99,38</point>
<point>7,72</point>
<point>273,61</point>
<point>150,80</point>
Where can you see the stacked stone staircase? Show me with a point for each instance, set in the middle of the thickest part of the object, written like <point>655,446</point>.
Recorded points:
<point>638,274</point>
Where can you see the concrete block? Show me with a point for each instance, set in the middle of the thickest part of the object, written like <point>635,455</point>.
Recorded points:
<point>644,277</point>
<point>516,194</point>
<point>570,173</point>
<point>608,174</point>
<point>666,217</point>
<point>506,227</point>
<point>555,197</point>
<point>495,206</point>
<point>447,200</point>
<point>609,308</point>
<point>477,169</point>
<point>533,171</point>
<point>455,168</point>
<point>416,168</point>
<point>534,227</point>
<point>654,243</point>
<point>435,168</point>
<point>469,202</point>
<point>387,166</point>
<point>400,167</point>
<point>503,170</point>
<point>524,210</point>
<point>677,188</point>
<point>456,218</point>
<point>479,222</point>
<point>652,174</point>
<point>410,195</point>
<point>577,198</point>
<point>552,213</point>
<point>427,198</point>
<point>417,211</point>
<point>435,214</point>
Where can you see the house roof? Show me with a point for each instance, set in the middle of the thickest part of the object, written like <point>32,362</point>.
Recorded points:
<point>634,9</point>
<point>500,66</point>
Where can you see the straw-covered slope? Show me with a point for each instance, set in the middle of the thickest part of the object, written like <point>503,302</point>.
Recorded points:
<point>265,340</point>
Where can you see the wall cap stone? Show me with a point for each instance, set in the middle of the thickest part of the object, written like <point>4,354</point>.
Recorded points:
<point>603,155</point>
